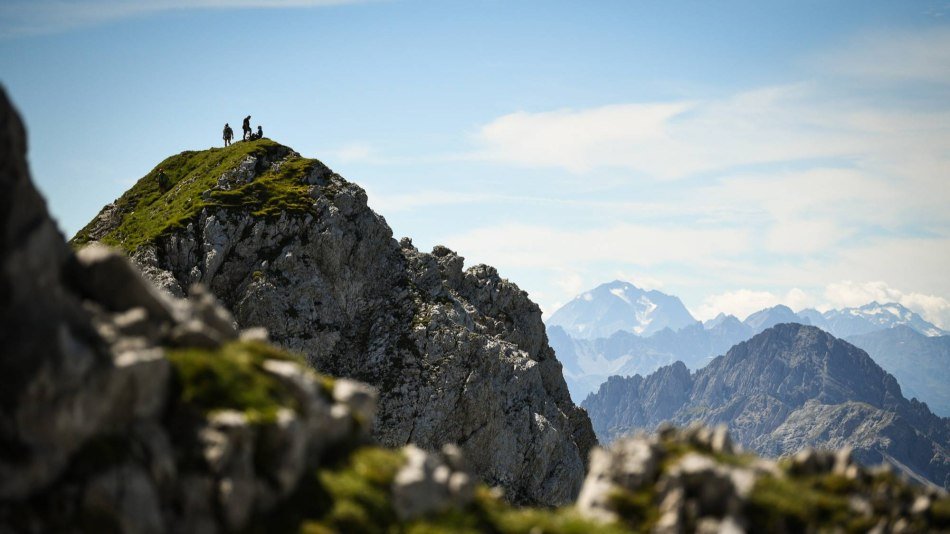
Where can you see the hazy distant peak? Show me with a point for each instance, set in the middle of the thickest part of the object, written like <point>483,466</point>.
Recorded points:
<point>620,306</point>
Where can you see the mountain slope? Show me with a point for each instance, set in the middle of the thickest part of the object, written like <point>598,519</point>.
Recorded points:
<point>786,388</point>
<point>920,363</point>
<point>620,306</point>
<point>458,355</point>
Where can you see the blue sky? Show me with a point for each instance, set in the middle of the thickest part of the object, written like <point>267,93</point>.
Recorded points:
<point>735,154</point>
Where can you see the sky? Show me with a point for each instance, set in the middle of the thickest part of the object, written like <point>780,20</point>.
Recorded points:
<point>737,154</point>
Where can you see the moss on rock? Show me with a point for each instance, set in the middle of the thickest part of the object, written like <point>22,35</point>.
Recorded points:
<point>232,377</point>
<point>148,210</point>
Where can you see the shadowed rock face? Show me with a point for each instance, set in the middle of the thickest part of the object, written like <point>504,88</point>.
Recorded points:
<point>789,387</point>
<point>50,349</point>
<point>458,355</point>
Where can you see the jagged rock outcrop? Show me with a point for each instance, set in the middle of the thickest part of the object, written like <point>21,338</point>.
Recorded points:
<point>693,480</point>
<point>458,355</point>
<point>789,387</point>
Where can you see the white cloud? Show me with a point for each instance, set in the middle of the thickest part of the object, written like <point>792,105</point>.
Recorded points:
<point>352,152</point>
<point>570,282</point>
<point>523,245</point>
<point>579,140</point>
<point>672,139</point>
<point>392,203</point>
<point>744,302</point>
<point>836,295</point>
<point>32,17</point>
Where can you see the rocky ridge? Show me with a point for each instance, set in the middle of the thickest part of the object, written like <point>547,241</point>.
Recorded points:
<point>458,355</point>
<point>788,388</point>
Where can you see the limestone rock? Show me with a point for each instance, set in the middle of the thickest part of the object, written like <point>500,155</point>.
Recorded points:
<point>429,483</point>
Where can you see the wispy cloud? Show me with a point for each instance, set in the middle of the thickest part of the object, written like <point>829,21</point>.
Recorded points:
<point>400,202</point>
<point>352,152</point>
<point>744,302</point>
<point>670,139</point>
<point>796,123</point>
<point>632,244</point>
<point>836,295</point>
<point>32,17</point>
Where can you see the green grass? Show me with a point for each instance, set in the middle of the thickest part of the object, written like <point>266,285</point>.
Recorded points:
<point>792,504</point>
<point>347,493</point>
<point>232,378</point>
<point>354,494</point>
<point>148,211</point>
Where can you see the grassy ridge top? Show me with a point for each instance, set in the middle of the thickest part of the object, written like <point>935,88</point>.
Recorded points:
<point>147,211</point>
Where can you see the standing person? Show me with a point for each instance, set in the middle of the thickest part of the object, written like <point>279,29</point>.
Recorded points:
<point>228,134</point>
<point>162,179</point>
<point>260,132</point>
<point>247,127</point>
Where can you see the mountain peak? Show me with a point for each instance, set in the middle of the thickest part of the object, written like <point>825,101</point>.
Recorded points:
<point>769,317</point>
<point>620,306</point>
<point>262,177</point>
<point>873,316</point>
<point>787,387</point>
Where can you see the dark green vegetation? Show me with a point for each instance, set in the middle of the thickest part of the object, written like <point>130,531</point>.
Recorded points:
<point>353,494</point>
<point>147,210</point>
<point>800,503</point>
<point>232,378</point>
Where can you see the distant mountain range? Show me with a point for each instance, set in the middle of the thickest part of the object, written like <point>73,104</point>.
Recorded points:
<point>620,350</point>
<point>786,388</point>
<point>588,362</point>
<point>620,307</point>
<point>869,318</point>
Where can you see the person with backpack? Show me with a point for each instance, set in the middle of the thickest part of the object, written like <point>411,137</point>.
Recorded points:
<point>247,127</point>
<point>260,132</point>
<point>228,134</point>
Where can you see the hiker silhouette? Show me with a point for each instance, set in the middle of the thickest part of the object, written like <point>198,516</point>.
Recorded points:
<point>228,134</point>
<point>247,127</point>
